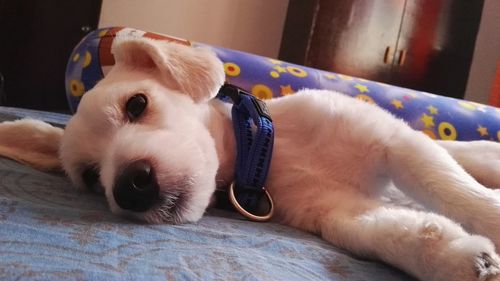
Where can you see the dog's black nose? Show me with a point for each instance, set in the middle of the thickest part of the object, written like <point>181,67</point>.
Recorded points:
<point>136,188</point>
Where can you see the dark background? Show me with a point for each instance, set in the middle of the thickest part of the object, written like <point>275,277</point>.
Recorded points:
<point>37,39</point>
<point>425,45</point>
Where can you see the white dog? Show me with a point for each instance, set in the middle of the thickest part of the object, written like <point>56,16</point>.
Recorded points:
<point>333,158</point>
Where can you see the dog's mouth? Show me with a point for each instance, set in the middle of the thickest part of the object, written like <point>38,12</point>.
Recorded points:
<point>169,208</point>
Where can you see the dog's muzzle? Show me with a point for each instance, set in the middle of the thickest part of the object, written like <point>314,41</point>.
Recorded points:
<point>136,188</point>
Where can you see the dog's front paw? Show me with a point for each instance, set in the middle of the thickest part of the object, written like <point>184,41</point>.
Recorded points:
<point>487,267</point>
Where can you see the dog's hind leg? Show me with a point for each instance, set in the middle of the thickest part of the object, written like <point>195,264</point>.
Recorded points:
<point>427,172</point>
<point>480,158</point>
<point>429,246</point>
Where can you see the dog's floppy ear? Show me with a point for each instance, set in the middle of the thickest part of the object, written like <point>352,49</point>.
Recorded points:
<point>193,71</point>
<point>31,142</point>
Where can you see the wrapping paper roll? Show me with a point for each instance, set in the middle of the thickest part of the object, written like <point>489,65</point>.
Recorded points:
<point>438,117</point>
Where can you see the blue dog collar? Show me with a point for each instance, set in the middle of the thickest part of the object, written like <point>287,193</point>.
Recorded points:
<point>254,132</point>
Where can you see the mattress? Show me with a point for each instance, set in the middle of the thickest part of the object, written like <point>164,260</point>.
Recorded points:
<point>51,231</point>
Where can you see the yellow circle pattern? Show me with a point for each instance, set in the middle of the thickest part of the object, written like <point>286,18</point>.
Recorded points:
<point>366,98</point>
<point>295,71</point>
<point>77,88</point>
<point>447,131</point>
<point>262,91</point>
<point>232,69</point>
<point>102,33</point>
<point>430,134</point>
<point>87,60</point>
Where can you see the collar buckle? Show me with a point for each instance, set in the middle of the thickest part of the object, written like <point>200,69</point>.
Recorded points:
<point>264,211</point>
<point>235,94</point>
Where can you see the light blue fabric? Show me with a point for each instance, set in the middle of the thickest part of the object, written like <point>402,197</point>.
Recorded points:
<point>50,231</point>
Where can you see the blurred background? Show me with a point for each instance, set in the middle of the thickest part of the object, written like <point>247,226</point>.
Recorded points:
<point>446,47</point>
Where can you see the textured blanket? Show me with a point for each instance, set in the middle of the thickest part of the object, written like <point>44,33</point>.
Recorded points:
<point>50,231</point>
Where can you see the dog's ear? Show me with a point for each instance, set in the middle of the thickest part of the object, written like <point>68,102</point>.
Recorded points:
<point>196,72</point>
<point>31,142</point>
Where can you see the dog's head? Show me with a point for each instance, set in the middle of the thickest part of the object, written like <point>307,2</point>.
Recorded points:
<point>141,133</point>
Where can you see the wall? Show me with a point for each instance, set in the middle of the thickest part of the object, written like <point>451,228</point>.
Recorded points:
<point>256,26</point>
<point>248,25</point>
<point>486,54</point>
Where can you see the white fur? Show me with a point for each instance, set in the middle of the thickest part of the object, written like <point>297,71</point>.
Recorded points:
<point>334,160</point>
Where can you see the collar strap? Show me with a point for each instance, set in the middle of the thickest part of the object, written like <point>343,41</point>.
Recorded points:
<point>254,132</point>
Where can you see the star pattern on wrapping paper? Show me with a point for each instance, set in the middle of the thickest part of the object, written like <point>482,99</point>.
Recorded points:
<point>433,110</point>
<point>273,61</point>
<point>428,120</point>
<point>280,69</point>
<point>345,77</point>
<point>397,103</point>
<point>286,90</point>
<point>362,88</point>
<point>330,76</point>
<point>483,131</point>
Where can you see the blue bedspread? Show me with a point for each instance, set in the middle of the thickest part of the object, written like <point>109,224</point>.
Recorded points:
<point>50,231</point>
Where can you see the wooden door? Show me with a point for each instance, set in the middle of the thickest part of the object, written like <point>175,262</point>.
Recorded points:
<point>353,37</point>
<point>436,45</point>
<point>37,39</point>
<point>356,37</point>
<point>426,45</point>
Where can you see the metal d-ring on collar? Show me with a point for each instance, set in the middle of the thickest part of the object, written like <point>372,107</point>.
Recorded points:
<point>254,132</point>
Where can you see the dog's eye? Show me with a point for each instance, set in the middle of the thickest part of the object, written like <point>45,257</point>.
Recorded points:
<point>135,106</point>
<point>90,178</point>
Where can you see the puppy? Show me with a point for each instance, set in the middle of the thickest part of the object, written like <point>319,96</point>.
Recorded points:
<point>153,120</point>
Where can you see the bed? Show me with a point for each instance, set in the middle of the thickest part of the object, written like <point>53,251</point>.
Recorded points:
<point>50,231</point>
